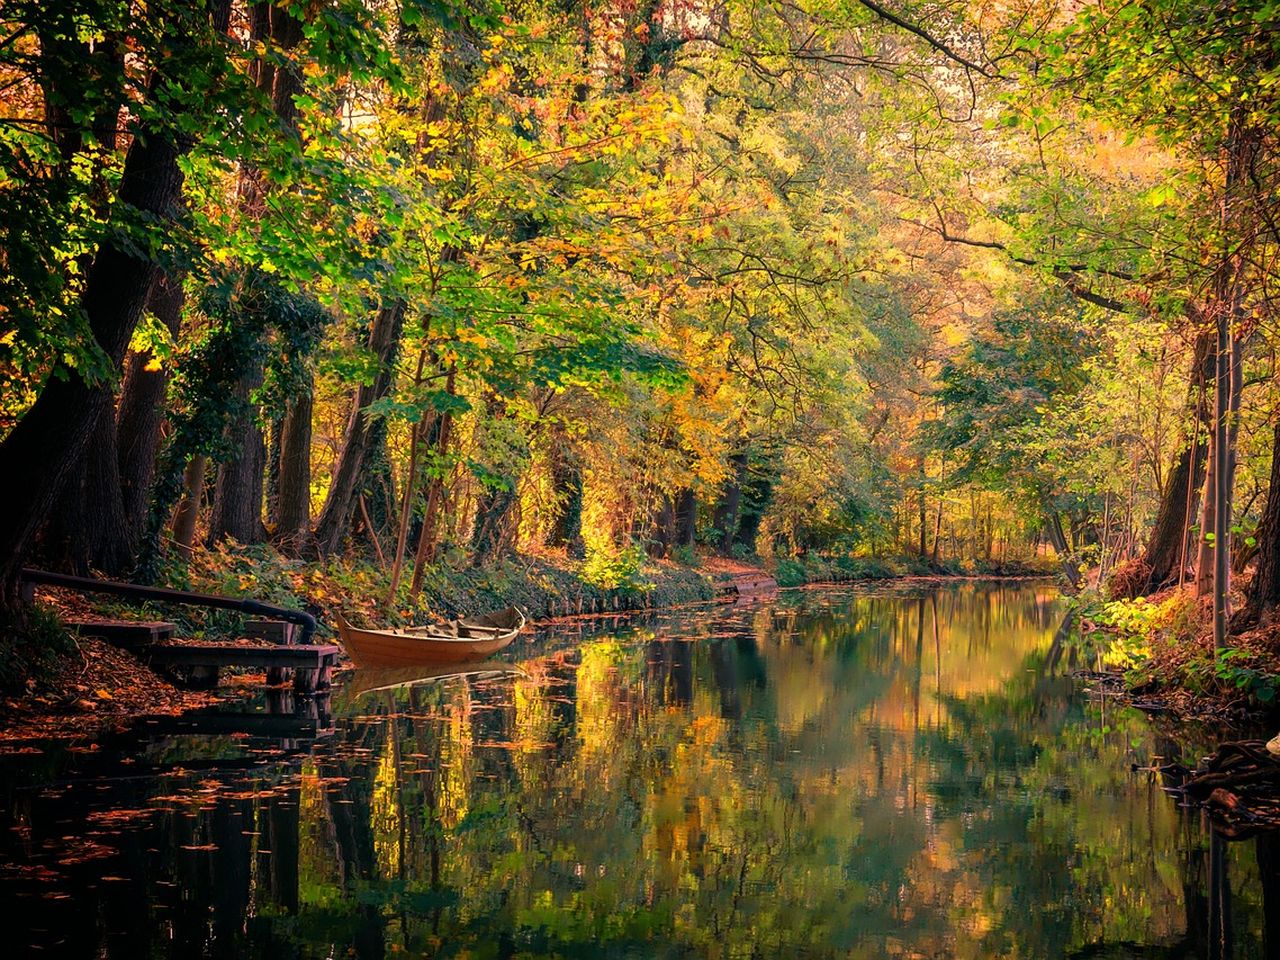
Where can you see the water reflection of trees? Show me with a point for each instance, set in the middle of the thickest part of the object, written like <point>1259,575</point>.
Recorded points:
<point>828,777</point>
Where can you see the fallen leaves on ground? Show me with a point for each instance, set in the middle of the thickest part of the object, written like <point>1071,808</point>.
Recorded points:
<point>94,688</point>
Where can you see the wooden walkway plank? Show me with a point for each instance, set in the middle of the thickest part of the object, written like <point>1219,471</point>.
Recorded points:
<point>123,633</point>
<point>202,662</point>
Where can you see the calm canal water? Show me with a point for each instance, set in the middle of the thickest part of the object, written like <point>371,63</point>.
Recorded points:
<point>832,774</point>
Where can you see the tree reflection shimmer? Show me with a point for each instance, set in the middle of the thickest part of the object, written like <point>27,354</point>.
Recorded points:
<point>832,775</point>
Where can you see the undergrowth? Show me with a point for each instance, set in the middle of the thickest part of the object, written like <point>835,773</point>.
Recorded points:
<point>30,649</point>
<point>1165,643</point>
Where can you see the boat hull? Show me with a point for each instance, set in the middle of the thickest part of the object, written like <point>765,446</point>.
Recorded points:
<point>370,679</point>
<point>387,648</point>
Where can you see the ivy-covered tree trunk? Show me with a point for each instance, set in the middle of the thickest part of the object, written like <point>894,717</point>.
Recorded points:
<point>240,479</point>
<point>492,534</point>
<point>351,471</point>
<point>566,480</point>
<point>663,537</point>
<point>757,494</point>
<point>429,535</point>
<point>237,498</point>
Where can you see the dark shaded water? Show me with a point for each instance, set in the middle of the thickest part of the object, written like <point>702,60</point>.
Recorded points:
<point>831,775</point>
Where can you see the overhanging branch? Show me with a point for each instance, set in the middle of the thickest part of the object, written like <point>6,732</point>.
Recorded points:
<point>1069,274</point>
<point>941,46</point>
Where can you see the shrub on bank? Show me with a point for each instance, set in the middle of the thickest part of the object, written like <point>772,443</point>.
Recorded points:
<point>29,650</point>
<point>1164,643</point>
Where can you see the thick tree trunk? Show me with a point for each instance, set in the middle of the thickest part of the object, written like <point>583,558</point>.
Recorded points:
<point>379,489</point>
<point>566,479</point>
<point>40,453</point>
<point>686,518</point>
<point>1264,590</point>
<point>141,411</point>
<point>407,503</point>
<point>350,473</point>
<point>87,529</point>
<point>1057,537</point>
<point>757,493</point>
<point>429,535</point>
<point>663,535</point>
<point>188,512</point>
<point>726,516</point>
<point>1171,542</point>
<point>1167,547</point>
<point>237,498</point>
<point>293,520</point>
<point>84,531</point>
<point>491,534</point>
<point>1167,550</point>
<point>237,501</point>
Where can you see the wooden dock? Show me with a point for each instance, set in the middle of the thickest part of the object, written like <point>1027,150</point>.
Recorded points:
<point>200,664</point>
<point>129,634</point>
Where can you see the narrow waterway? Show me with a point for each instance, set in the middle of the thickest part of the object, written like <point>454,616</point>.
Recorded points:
<point>837,773</point>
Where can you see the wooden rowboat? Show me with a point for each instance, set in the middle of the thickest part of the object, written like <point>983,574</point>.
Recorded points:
<point>453,641</point>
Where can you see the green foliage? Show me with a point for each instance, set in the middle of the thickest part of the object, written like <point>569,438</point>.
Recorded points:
<point>1239,670</point>
<point>790,573</point>
<point>686,555</point>
<point>620,569</point>
<point>1135,628</point>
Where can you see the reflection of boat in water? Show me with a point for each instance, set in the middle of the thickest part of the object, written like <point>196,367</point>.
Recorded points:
<point>368,679</point>
<point>453,641</point>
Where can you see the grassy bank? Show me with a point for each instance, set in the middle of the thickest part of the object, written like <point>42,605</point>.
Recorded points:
<point>544,587</point>
<point>815,569</point>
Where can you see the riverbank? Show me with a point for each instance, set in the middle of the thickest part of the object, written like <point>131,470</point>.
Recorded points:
<point>823,570</point>
<point>79,686</point>
<point>1158,654</point>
